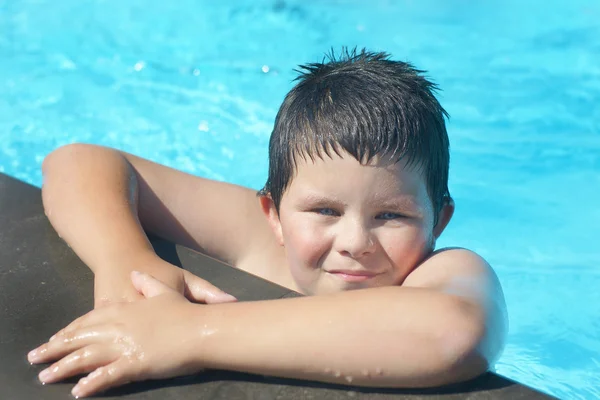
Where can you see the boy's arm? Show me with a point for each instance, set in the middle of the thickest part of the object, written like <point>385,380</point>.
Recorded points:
<point>100,199</point>
<point>448,324</point>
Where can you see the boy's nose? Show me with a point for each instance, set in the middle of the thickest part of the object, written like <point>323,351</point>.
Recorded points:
<point>355,240</point>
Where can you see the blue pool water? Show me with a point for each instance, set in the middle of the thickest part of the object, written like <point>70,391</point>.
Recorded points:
<point>196,85</point>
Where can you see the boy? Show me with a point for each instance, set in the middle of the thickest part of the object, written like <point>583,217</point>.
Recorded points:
<point>355,199</point>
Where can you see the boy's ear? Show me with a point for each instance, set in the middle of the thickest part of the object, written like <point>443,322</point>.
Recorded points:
<point>268,208</point>
<point>444,217</point>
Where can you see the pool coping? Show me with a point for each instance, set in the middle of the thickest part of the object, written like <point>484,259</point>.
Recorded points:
<point>44,286</point>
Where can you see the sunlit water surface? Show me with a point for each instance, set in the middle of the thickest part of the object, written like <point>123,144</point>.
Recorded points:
<point>196,85</point>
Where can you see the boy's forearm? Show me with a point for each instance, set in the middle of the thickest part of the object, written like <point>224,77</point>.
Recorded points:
<point>89,196</point>
<point>386,337</point>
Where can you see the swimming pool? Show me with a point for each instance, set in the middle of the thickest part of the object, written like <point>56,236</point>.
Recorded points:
<point>197,85</point>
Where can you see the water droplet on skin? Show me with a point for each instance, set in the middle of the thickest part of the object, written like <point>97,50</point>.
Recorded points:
<point>349,379</point>
<point>378,371</point>
<point>337,374</point>
<point>365,372</point>
<point>327,370</point>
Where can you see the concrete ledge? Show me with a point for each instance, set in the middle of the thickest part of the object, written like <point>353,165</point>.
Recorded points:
<point>44,286</point>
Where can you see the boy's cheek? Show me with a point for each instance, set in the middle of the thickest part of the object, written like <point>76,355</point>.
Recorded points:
<point>306,246</point>
<point>407,253</point>
<point>304,252</point>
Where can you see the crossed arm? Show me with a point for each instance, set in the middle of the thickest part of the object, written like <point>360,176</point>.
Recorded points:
<point>383,337</point>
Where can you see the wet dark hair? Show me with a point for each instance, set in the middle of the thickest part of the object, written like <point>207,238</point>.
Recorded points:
<point>367,105</point>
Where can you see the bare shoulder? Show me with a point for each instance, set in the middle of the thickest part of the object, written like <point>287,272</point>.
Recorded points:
<point>464,274</point>
<point>457,270</point>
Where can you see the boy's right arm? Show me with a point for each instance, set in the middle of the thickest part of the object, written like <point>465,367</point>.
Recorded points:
<point>100,200</point>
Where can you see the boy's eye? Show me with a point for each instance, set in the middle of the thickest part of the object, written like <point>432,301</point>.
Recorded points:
<point>326,211</point>
<point>389,216</point>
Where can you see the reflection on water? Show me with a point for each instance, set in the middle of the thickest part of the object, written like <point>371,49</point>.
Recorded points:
<point>185,84</point>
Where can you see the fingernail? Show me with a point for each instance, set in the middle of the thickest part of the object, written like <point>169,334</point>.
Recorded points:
<point>34,354</point>
<point>44,375</point>
<point>228,297</point>
<point>76,391</point>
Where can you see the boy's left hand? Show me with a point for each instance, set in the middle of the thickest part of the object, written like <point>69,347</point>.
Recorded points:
<point>124,342</point>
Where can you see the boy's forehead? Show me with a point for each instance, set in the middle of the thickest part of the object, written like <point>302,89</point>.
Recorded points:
<point>315,167</point>
<point>384,176</point>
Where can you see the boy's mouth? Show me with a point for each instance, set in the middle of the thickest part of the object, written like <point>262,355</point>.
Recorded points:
<point>352,276</point>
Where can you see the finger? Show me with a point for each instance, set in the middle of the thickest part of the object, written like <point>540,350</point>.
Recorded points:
<point>38,355</point>
<point>148,285</point>
<point>91,318</point>
<point>74,325</point>
<point>115,374</point>
<point>69,342</point>
<point>79,362</point>
<point>201,291</point>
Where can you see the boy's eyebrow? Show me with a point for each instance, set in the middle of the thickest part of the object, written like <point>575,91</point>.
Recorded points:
<point>403,202</point>
<point>319,198</point>
<point>400,202</point>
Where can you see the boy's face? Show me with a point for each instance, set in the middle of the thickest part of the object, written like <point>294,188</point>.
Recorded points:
<point>348,226</point>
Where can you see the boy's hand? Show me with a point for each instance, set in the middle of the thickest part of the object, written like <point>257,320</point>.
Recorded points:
<point>115,287</point>
<point>122,343</point>
<point>110,289</point>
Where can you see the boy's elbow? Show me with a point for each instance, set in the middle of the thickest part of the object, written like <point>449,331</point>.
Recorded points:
<point>464,360</point>
<point>469,346</point>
